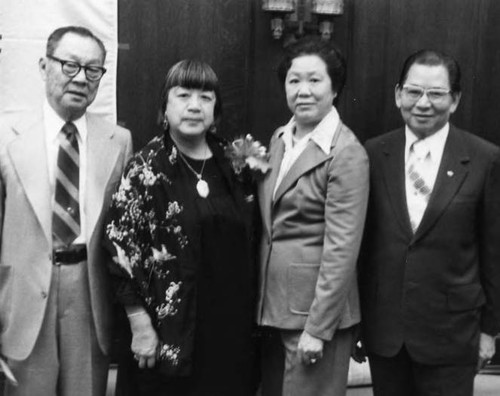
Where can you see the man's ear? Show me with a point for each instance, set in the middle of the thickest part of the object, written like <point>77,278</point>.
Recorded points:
<point>42,67</point>
<point>456,100</point>
<point>397,95</point>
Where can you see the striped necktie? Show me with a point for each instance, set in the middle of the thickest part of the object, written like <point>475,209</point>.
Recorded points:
<point>66,216</point>
<point>418,161</point>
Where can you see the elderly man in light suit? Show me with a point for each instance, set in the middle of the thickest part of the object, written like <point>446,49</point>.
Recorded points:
<point>54,293</point>
<point>313,205</point>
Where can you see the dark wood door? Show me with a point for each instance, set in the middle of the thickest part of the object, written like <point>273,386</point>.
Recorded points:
<point>155,34</point>
<point>376,36</point>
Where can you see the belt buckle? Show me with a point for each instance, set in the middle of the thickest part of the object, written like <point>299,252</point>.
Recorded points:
<point>55,260</point>
<point>73,255</point>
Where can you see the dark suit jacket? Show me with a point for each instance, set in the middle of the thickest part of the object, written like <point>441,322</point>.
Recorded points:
<point>434,291</point>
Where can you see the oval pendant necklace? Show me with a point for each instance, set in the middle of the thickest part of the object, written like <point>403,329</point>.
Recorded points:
<point>201,185</point>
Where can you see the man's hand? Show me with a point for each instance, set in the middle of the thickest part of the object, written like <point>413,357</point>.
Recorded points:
<point>309,349</point>
<point>486,350</point>
<point>144,339</point>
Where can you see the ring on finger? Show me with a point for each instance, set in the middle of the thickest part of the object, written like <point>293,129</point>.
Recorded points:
<point>136,356</point>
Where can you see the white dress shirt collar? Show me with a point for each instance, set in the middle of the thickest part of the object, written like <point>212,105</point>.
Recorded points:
<point>425,161</point>
<point>322,135</point>
<point>54,123</point>
<point>435,142</point>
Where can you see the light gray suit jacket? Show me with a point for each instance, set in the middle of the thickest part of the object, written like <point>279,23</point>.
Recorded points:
<point>311,238</point>
<point>26,225</point>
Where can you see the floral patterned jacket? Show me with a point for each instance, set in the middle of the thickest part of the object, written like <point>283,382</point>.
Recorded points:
<point>154,242</point>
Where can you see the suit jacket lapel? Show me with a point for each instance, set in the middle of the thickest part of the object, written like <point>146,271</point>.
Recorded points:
<point>266,187</point>
<point>29,157</point>
<point>101,160</point>
<point>452,172</point>
<point>311,157</point>
<point>394,177</point>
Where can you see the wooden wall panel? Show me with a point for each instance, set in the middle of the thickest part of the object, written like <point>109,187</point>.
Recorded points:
<point>376,37</point>
<point>485,78</point>
<point>159,33</point>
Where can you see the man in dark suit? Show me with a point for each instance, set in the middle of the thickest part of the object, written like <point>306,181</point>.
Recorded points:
<point>430,271</point>
<point>58,168</point>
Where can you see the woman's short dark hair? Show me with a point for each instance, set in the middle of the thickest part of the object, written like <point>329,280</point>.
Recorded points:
<point>433,58</point>
<point>326,50</point>
<point>192,74</point>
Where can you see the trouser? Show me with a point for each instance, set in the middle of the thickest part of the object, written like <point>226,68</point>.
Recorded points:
<point>66,359</point>
<point>283,374</point>
<point>401,375</point>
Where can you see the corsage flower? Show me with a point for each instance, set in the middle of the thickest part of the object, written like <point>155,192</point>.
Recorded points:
<point>162,255</point>
<point>247,152</point>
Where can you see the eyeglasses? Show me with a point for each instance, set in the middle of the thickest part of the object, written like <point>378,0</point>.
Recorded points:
<point>414,93</point>
<point>71,69</point>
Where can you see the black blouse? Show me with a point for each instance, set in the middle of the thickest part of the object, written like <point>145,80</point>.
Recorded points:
<point>188,260</point>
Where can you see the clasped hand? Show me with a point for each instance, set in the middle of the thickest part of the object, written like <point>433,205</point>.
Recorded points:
<point>309,348</point>
<point>144,340</point>
<point>486,350</point>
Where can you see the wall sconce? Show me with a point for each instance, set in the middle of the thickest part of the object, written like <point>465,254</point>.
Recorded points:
<point>299,16</point>
<point>278,9</point>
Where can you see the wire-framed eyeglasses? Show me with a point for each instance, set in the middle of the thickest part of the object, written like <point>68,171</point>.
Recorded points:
<point>415,92</point>
<point>71,69</point>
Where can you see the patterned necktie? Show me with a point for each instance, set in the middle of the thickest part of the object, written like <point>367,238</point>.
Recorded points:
<point>415,170</point>
<point>66,216</point>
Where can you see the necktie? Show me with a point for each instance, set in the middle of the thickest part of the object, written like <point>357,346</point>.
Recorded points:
<point>418,160</point>
<point>66,216</point>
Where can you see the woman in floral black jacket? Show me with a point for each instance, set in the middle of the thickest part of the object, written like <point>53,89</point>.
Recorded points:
<point>181,228</point>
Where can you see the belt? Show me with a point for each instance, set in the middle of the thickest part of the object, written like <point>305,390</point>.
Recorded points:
<point>73,255</point>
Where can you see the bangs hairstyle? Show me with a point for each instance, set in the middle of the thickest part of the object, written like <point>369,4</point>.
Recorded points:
<point>326,50</point>
<point>192,74</point>
<point>433,58</point>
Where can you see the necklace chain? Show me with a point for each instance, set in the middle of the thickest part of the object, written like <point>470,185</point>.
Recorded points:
<point>201,186</point>
<point>198,175</point>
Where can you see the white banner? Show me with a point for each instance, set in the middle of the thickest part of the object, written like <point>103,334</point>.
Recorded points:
<point>24,28</point>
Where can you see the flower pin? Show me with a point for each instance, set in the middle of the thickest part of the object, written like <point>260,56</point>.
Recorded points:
<point>247,152</point>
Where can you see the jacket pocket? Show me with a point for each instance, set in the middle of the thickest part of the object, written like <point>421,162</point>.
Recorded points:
<point>464,298</point>
<point>301,286</point>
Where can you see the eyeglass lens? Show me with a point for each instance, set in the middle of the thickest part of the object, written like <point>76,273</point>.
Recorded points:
<point>71,69</point>
<point>434,94</point>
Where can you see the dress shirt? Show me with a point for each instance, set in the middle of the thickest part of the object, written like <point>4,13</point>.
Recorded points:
<point>53,125</point>
<point>321,135</point>
<point>434,146</point>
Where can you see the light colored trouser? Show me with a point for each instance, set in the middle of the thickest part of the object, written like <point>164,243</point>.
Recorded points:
<point>285,375</point>
<point>66,359</point>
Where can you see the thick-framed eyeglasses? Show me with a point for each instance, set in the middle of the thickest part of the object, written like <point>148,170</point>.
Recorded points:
<point>71,69</point>
<point>414,93</point>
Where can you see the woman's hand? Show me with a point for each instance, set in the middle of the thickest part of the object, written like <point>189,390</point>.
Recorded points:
<point>309,349</point>
<point>144,338</point>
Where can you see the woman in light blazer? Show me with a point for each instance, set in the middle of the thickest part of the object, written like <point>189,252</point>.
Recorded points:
<point>313,205</point>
